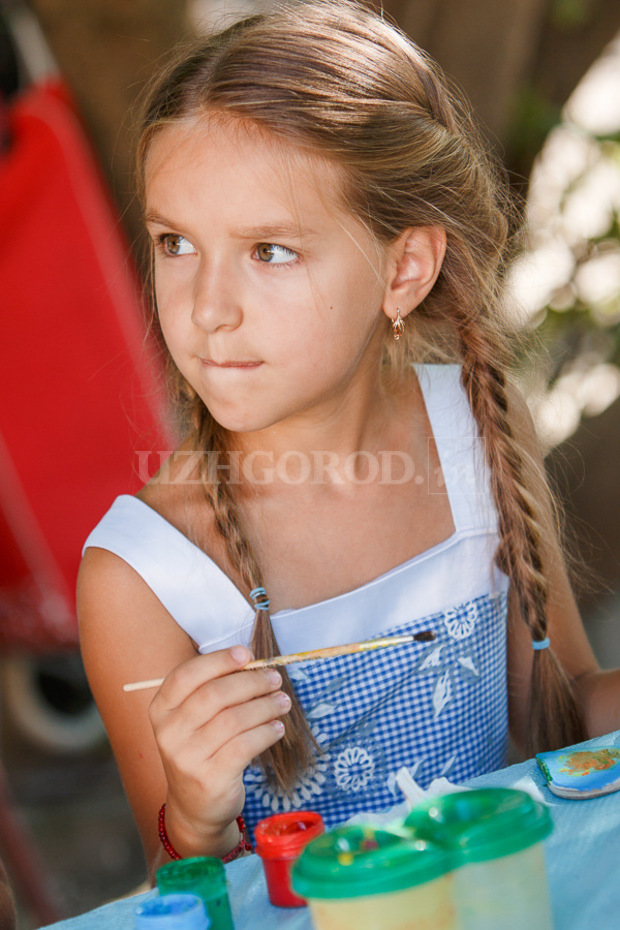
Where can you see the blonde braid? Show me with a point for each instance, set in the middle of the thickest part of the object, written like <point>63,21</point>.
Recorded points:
<point>283,761</point>
<point>554,717</point>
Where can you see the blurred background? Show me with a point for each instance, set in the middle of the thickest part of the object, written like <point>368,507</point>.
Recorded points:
<point>82,403</point>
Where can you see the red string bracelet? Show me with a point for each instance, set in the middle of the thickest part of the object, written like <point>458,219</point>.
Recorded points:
<point>242,846</point>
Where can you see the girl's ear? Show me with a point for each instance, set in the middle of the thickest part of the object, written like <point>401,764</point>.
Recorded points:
<point>414,263</point>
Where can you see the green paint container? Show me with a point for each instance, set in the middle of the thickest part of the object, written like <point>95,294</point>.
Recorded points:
<point>203,876</point>
<point>496,835</point>
<point>376,879</point>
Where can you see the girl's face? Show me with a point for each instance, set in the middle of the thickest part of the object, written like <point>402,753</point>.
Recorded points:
<point>269,295</point>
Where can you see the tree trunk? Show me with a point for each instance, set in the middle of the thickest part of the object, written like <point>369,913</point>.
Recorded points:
<point>518,61</point>
<point>584,474</point>
<point>485,46</point>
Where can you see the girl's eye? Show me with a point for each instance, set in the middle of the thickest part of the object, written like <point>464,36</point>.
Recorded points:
<point>272,254</point>
<point>171,244</point>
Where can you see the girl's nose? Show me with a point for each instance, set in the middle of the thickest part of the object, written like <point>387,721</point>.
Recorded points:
<point>216,301</point>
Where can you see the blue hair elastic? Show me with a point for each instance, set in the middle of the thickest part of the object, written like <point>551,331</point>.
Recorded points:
<point>538,644</point>
<point>260,605</point>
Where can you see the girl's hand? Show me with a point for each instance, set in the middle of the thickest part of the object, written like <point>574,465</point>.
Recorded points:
<point>210,719</point>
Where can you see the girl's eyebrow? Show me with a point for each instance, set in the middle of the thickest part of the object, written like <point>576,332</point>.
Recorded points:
<point>276,231</point>
<point>264,231</point>
<point>151,216</point>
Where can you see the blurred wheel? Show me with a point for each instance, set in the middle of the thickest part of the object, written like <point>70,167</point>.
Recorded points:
<point>48,702</point>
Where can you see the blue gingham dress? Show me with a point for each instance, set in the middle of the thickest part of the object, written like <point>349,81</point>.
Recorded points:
<point>437,708</point>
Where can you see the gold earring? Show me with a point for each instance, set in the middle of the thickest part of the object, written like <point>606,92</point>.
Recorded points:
<point>398,326</point>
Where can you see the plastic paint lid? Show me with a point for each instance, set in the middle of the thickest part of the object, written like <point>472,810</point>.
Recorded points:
<point>483,824</point>
<point>354,861</point>
<point>171,912</point>
<point>203,875</point>
<point>283,836</point>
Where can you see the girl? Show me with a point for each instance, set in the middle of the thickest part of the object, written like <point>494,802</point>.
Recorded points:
<point>324,222</point>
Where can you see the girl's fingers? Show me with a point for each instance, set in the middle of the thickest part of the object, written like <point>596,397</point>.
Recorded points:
<point>214,671</point>
<point>211,698</point>
<point>247,746</point>
<point>191,746</point>
<point>233,691</point>
<point>210,719</point>
<point>190,675</point>
<point>234,721</point>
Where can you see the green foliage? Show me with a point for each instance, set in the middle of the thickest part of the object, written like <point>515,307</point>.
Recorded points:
<point>568,14</point>
<point>570,326</point>
<point>533,118</point>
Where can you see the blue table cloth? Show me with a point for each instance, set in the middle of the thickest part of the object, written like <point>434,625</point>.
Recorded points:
<point>582,853</point>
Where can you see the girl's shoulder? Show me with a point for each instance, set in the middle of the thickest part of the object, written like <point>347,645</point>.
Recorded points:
<point>165,535</point>
<point>142,553</point>
<point>171,502</point>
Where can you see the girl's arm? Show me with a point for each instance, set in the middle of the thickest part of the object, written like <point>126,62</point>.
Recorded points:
<point>598,692</point>
<point>187,743</point>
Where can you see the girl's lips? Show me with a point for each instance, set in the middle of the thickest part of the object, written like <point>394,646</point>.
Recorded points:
<point>210,363</point>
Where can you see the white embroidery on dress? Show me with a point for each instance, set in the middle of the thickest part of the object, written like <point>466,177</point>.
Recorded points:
<point>354,768</point>
<point>297,672</point>
<point>432,659</point>
<point>442,694</point>
<point>468,662</point>
<point>458,626</point>
<point>308,785</point>
<point>322,709</point>
<point>448,766</point>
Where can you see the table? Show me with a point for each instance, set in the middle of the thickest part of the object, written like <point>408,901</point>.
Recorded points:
<point>583,859</point>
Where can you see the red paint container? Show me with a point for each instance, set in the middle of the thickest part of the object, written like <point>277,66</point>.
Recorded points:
<point>279,840</point>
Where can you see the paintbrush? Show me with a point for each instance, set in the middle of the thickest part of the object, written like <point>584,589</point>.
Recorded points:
<point>330,652</point>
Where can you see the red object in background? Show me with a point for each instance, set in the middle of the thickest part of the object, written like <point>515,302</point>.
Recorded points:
<point>279,840</point>
<point>79,395</point>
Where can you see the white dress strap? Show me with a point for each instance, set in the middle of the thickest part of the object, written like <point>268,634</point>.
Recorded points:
<point>464,471</point>
<point>187,582</point>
